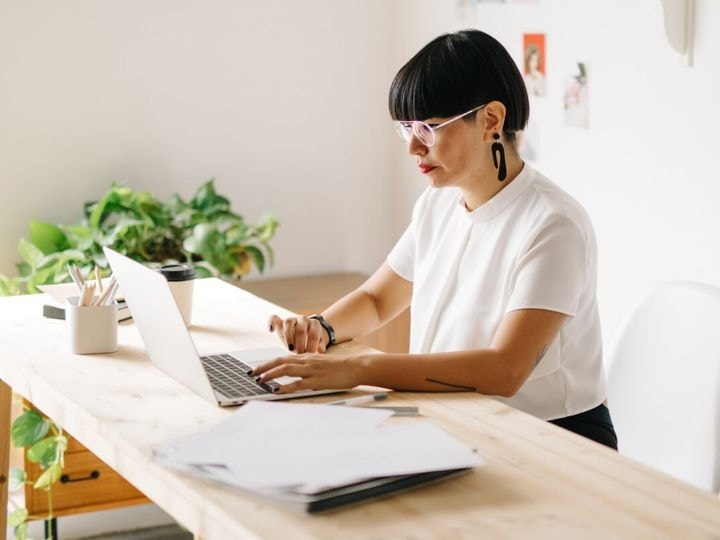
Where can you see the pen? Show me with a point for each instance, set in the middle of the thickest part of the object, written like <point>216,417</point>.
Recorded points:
<point>369,398</point>
<point>401,411</point>
<point>75,275</point>
<point>98,281</point>
<point>108,295</point>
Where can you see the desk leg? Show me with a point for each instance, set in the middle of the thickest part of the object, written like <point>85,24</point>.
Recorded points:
<point>5,404</point>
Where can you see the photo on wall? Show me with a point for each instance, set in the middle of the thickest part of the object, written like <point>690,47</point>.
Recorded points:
<point>576,96</point>
<point>534,64</point>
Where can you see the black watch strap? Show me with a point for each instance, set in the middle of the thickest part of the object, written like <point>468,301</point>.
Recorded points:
<point>328,328</point>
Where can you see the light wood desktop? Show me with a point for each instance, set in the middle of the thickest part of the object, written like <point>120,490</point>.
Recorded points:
<point>539,480</point>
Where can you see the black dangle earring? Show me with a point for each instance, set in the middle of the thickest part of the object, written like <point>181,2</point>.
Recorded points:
<point>498,148</point>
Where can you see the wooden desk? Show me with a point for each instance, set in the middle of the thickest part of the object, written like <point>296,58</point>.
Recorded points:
<point>539,480</point>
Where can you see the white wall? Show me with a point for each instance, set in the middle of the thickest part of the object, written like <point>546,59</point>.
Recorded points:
<point>645,169</point>
<point>284,103</point>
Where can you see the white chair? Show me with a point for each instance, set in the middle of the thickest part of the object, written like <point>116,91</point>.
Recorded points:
<point>664,383</point>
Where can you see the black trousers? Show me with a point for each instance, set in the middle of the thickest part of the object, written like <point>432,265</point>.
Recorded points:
<point>594,424</point>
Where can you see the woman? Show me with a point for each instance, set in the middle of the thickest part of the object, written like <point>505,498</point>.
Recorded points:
<point>498,264</point>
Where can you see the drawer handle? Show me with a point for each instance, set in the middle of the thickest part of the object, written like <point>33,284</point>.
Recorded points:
<point>94,475</point>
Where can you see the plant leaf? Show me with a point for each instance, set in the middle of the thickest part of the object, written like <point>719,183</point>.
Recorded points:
<point>29,428</point>
<point>40,277</point>
<point>47,237</point>
<point>208,201</point>
<point>79,236</point>
<point>9,286</point>
<point>29,252</point>
<point>17,517</point>
<point>202,270</point>
<point>44,452</point>
<point>257,256</point>
<point>21,531</point>
<point>17,478</point>
<point>268,225</point>
<point>271,254</point>
<point>49,476</point>
<point>23,268</point>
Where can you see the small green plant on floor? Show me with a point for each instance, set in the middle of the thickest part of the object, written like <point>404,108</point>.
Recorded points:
<point>45,444</point>
<point>203,231</point>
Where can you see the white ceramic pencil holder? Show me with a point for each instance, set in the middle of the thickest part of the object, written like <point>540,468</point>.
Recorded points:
<point>92,329</point>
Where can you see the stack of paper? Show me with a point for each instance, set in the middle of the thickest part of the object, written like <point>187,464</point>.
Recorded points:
<point>306,453</point>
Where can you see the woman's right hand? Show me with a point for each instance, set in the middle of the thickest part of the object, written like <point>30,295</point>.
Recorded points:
<point>300,334</point>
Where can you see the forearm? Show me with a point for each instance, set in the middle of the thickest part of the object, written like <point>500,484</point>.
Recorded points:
<point>487,371</point>
<point>377,301</point>
<point>353,316</point>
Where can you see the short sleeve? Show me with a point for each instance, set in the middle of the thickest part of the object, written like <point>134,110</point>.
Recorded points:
<point>551,273</point>
<point>402,257</point>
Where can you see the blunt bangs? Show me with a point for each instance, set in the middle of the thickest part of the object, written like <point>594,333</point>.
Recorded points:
<point>456,72</point>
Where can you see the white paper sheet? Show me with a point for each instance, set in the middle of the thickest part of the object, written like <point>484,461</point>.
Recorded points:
<point>278,445</point>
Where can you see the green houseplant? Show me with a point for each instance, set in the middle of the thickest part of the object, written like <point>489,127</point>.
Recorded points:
<point>45,444</point>
<point>203,231</point>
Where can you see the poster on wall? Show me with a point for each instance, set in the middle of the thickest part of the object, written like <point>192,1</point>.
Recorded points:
<point>576,96</point>
<point>534,64</point>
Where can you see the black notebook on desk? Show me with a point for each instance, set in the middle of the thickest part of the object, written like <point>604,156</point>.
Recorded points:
<point>326,500</point>
<point>336,498</point>
<point>53,311</point>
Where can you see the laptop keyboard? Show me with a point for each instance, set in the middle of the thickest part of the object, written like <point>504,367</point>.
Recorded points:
<point>229,376</point>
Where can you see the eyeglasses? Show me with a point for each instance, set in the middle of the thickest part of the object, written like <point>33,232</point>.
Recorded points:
<point>425,133</point>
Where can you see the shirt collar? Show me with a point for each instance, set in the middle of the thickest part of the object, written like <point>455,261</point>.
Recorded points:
<point>502,198</point>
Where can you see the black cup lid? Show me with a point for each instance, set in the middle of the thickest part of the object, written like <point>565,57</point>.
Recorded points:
<point>177,272</point>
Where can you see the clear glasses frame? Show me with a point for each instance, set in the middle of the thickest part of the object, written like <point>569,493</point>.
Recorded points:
<point>424,132</point>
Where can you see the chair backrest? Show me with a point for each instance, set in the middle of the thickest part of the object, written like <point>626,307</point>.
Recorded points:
<point>663,383</point>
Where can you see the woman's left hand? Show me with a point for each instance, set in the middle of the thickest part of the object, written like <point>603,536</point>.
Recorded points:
<point>316,372</point>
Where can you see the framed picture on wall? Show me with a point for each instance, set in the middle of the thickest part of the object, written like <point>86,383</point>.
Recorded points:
<point>534,63</point>
<point>576,96</point>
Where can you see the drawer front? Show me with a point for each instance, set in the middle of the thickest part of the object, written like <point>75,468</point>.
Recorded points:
<point>87,484</point>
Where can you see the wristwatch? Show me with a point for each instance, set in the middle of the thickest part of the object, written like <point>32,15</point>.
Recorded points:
<point>326,325</point>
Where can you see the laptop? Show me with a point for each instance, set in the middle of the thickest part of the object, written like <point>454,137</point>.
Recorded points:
<point>221,378</point>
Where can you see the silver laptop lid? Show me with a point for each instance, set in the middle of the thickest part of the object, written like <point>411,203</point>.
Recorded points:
<point>160,323</point>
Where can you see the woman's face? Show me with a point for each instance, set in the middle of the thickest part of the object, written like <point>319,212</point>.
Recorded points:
<point>456,158</point>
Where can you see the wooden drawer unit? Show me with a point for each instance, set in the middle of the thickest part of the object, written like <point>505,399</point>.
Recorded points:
<point>311,294</point>
<point>87,485</point>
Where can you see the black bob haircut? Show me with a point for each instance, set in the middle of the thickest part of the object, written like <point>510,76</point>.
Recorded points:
<point>456,72</point>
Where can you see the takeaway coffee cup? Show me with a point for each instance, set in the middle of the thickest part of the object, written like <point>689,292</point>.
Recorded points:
<point>92,329</point>
<point>181,278</point>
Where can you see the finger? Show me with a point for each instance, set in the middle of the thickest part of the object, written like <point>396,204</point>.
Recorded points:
<point>275,323</point>
<point>288,368</point>
<point>315,338</point>
<point>301,335</point>
<point>295,386</point>
<point>264,367</point>
<point>289,332</point>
